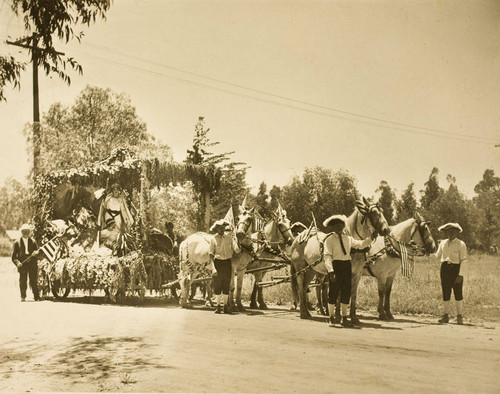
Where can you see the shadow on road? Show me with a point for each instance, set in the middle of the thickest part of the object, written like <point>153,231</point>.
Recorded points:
<point>100,357</point>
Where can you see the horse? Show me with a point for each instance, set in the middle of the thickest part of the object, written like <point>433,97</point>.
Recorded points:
<point>413,231</point>
<point>271,243</point>
<point>306,254</point>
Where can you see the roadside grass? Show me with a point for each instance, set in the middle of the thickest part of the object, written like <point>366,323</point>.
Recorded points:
<point>419,295</point>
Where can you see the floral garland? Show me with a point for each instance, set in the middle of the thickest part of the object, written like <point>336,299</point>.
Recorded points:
<point>89,272</point>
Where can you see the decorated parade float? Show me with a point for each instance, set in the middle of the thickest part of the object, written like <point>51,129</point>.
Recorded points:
<point>96,230</point>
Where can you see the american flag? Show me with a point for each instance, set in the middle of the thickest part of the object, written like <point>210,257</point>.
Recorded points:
<point>50,250</point>
<point>407,262</point>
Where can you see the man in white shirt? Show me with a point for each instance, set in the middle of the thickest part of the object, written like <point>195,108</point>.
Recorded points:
<point>337,258</point>
<point>452,252</point>
<point>222,247</point>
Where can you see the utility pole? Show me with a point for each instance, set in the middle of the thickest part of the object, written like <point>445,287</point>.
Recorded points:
<point>35,51</point>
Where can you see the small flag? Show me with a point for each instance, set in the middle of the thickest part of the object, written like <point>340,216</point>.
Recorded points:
<point>258,222</point>
<point>50,250</point>
<point>230,218</point>
<point>243,206</point>
<point>407,262</point>
<point>280,211</point>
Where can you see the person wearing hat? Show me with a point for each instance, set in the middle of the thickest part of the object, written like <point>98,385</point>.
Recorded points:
<point>452,252</point>
<point>337,259</point>
<point>222,247</point>
<point>24,255</point>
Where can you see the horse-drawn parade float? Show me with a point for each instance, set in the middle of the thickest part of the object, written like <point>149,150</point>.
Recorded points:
<point>98,237</point>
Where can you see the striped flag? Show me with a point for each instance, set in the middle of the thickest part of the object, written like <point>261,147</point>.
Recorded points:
<point>50,250</point>
<point>407,262</point>
<point>258,222</point>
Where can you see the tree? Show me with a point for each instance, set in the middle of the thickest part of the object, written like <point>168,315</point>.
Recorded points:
<point>44,21</point>
<point>406,206</point>
<point>487,204</point>
<point>14,204</point>
<point>432,190</point>
<point>99,121</point>
<point>320,191</point>
<point>387,201</point>
<point>216,182</point>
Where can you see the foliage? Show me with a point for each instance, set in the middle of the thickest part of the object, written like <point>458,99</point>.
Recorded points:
<point>10,72</point>
<point>43,22</point>
<point>320,191</point>
<point>14,204</point>
<point>406,206</point>
<point>487,204</point>
<point>176,204</point>
<point>218,182</point>
<point>91,271</point>
<point>99,122</point>
<point>432,190</point>
<point>451,206</point>
<point>387,201</point>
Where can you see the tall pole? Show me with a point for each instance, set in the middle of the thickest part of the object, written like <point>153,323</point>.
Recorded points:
<point>36,108</point>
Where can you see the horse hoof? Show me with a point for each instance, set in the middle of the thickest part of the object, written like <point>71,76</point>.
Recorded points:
<point>383,316</point>
<point>389,316</point>
<point>354,319</point>
<point>241,308</point>
<point>263,307</point>
<point>253,306</point>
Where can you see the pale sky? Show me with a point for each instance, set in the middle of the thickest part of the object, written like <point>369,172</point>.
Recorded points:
<point>431,65</point>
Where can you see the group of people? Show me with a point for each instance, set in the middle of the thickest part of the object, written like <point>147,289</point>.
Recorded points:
<point>114,217</point>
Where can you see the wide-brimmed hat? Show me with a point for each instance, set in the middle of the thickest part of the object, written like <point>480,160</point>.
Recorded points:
<point>332,219</point>
<point>219,223</point>
<point>25,227</point>
<point>115,186</point>
<point>450,226</point>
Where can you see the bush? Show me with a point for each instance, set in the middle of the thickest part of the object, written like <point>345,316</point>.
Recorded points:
<point>5,247</point>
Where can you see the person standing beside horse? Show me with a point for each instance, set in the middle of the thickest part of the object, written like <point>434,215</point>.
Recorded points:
<point>452,252</point>
<point>222,247</point>
<point>24,256</point>
<point>337,258</point>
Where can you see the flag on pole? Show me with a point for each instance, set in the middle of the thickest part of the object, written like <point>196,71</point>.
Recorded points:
<point>258,222</point>
<point>280,211</point>
<point>243,205</point>
<point>230,218</point>
<point>50,250</point>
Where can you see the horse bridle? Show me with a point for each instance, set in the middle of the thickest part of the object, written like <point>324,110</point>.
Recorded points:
<point>365,217</point>
<point>420,228</point>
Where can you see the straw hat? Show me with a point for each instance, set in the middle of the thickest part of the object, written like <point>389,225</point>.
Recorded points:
<point>450,226</point>
<point>332,219</point>
<point>25,227</point>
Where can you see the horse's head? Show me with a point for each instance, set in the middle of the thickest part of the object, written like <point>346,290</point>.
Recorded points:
<point>424,237</point>
<point>283,229</point>
<point>245,221</point>
<point>373,216</point>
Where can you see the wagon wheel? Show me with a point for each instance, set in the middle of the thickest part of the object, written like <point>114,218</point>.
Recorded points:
<point>60,292</point>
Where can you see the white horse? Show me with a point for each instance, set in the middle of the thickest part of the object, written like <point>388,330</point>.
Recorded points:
<point>306,256</point>
<point>414,231</point>
<point>268,244</point>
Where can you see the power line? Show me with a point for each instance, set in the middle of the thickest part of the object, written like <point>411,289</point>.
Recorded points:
<point>361,121</point>
<point>367,117</point>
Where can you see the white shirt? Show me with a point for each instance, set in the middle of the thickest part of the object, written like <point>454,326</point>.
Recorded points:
<point>223,247</point>
<point>25,242</point>
<point>333,249</point>
<point>454,252</point>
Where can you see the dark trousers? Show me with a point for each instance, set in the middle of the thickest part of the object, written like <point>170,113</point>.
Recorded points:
<point>223,278</point>
<point>31,270</point>
<point>449,273</point>
<point>342,282</point>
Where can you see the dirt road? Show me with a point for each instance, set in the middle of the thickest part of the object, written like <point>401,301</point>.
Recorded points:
<point>76,346</point>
